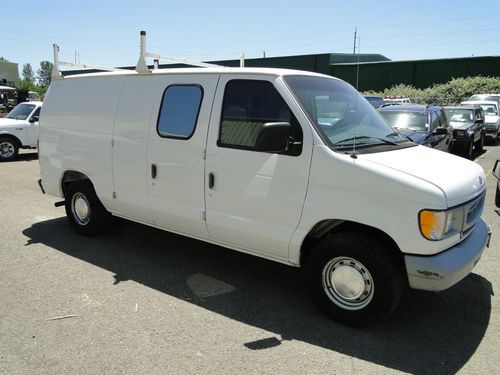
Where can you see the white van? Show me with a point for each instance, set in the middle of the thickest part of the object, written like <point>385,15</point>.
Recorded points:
<point>291,166</point>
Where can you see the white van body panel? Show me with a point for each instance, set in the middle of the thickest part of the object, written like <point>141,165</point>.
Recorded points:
<point>257,199</point>
<point>78,128</point>
<point>177,194</point>
<point>459,179</point>
<point>362,191</point>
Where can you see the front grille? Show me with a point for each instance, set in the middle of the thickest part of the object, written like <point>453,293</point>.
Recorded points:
<point>473,211</point>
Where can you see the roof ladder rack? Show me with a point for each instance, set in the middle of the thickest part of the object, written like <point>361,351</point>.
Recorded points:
<point>56,72</point>
<point>142,67</point>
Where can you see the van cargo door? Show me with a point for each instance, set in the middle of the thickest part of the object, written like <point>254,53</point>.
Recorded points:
<point>176,152</point>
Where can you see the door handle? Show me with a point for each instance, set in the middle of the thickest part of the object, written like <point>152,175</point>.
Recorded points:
<point>211,180</point>
<point>153,170</point>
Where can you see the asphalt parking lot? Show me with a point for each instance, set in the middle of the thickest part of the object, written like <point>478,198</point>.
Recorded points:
<point>139,300</point>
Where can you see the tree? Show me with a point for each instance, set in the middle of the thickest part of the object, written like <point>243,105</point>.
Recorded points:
<point>44,73</point>
<point>28,74</point>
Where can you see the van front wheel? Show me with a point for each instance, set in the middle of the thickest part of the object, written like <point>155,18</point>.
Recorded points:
<point>84,210</point>
<point>354,278</point>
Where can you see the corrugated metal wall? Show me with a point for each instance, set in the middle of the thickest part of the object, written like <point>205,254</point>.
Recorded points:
<point>378,76</point>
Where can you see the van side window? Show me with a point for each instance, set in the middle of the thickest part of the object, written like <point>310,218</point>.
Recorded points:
<point>179,111</point>
<point>247,106</point>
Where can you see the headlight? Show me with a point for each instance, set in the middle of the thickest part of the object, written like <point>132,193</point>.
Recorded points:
<point>436,225</point>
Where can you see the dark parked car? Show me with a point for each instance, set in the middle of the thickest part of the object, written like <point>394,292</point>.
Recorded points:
<point>468,128</point>
<point>376,101</point>
<point>423,124</point>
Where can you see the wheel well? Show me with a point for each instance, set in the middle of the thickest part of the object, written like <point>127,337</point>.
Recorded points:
<point>330,227</point>
<point>70,177</point>
<point>12,137</point>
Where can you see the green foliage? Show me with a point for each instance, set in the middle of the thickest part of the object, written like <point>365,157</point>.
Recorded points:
<point>45,73</point>
<point>31,86</point>
<point>454,91</point>
<point>28,74</point>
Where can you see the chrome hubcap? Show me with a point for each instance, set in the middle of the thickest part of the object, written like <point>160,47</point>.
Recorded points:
<point>80,208</point>
<point>6,149</point>
<point>348,283</point>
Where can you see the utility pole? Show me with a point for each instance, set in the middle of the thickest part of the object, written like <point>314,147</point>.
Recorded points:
<point>355,38</point>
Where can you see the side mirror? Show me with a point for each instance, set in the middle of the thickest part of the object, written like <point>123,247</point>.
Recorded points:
<point>273,137</point>
<point>480,121</point>
<point>34,119</point>
<point>440,131</point>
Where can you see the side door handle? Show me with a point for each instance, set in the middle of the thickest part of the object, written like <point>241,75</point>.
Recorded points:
<point>211,180</point>
<point>153,170</point>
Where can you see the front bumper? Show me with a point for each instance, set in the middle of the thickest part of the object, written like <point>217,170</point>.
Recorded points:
<point>443,270</point>
<point>491,130</point>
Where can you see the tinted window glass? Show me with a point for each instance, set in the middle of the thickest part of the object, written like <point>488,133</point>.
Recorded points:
<point>434,121</point>
<point>21,111</point>
<point>247,106</point>
<point>405,120</point>
<point>179,111</point>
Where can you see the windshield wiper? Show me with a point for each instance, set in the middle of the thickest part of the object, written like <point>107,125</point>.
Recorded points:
<point>366,137</point>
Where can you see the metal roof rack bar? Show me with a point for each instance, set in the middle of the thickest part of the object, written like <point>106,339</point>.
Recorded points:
<point>142,67</point>
<point>56,72</point>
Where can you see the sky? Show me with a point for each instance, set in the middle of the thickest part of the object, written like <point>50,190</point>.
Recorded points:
<point>106,33</point>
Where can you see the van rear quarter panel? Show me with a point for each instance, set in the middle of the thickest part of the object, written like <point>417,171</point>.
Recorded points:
<point>76,131</point>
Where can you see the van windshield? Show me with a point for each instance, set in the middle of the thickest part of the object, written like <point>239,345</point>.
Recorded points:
<point>341,115</point>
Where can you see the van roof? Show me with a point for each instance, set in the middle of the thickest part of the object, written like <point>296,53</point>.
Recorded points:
<point>211,70</point>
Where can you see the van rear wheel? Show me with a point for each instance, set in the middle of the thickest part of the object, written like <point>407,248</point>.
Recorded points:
<point>84,210</point>
<point>354,278</point>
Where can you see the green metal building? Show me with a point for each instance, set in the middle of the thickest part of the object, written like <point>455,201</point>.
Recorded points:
<point>378,76</point>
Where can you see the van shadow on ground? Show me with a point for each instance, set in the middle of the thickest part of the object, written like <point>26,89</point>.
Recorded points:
<point>429,333</point>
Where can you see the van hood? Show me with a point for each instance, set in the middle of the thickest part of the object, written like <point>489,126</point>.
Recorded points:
<point>459,179</point>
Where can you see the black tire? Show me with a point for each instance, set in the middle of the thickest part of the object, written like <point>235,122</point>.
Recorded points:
<point>478,146</point>
<point>469,150</point>
<point>377,278</point>
<point>84,210</point>
<point>9,149</point>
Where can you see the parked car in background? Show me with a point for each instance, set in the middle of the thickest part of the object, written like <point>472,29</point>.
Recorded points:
<point>485,97</point>
<point>33,96</point>
<point>468,128</point>
<point>375,101</point>
<point>396,99</point>
<point>423,124</point>
<point>491,116</point>
<point>19,129</point>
